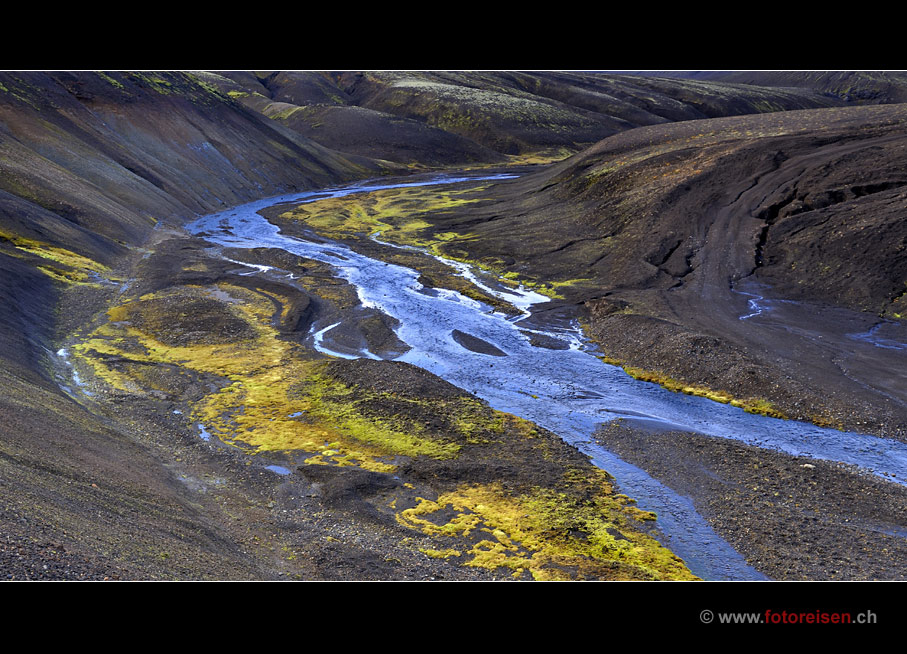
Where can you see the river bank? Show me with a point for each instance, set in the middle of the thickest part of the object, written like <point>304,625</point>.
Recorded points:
<point>356,469</point>
<point>656,236</point>
<point>836,488</point>
<point>794,518</point>
<point>264,295</point>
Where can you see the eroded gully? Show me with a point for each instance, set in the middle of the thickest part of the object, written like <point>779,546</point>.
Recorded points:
<point>568,390</point>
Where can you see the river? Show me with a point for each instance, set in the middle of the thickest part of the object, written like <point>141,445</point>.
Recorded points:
<point>567,390</point>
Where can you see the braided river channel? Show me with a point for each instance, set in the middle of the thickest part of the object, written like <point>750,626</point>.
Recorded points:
<point>566,389</point>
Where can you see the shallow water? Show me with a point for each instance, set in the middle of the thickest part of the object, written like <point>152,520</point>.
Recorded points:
<point>874,336</point>
<point>868,329</point>
<point>569,391</point>
<point>203,432</point>
<point>63,356</point>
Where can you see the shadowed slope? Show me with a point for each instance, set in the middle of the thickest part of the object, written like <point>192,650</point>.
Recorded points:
<point>90,164</point>
<point>861,87</point>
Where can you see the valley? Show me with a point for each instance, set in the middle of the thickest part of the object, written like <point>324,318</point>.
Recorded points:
<point>673,354</point>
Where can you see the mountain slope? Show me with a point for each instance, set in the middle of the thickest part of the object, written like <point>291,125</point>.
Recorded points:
<point>649,235</point>
<point>859,87</point>
<point>658,232</point>
<point>487,116</point>
<point>93,167</point>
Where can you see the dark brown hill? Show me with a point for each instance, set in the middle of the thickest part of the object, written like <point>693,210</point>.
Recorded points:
<point>489,114</point>
<point>378,135</point>
<point>648,235</point>
<point>655,230</point>
<point>646,199</point>
<point>116,152</point>
<point>858,87</point>
<point>90,165</point>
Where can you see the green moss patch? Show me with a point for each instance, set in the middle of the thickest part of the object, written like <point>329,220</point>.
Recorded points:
<point>754,405</point>
<point>406,216</point>
<point>265,379</point>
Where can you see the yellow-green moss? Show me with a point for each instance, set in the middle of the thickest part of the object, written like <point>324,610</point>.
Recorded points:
<point>441,554</point>
<point>545,533</point>
<point>265,381</point>
<point>284,114</point>
<point>71,268</point>
<point>333,402</point>
<point>579,528</point>
<point>754,405</point>
<point>392,213</point>
<point>541,156</point>
<point>399,217</point>
<point>66,276</point>
<point>107,78</point>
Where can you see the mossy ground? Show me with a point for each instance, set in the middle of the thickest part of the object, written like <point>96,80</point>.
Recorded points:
<point>58,263</point>
<point>756,405</point>
<point>271,396</point>
<point>543,533</point>
<point>482,489</point>
<point>409,217</point>
<point>394,214</point>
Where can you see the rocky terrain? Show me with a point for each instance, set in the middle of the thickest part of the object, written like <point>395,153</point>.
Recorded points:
<point>655,233</point>
<point>862,87</point>
<point>90,166</point>
<point>163,414</point>
<point>456,118</point>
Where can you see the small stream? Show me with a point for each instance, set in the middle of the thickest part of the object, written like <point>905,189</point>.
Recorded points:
<point>567,390</point>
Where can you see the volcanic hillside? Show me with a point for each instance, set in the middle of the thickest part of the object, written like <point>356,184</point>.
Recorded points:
<point>861,87</point>
<point>651,231</point>
<point>459,118</point>
<point>668,196</point>
<point>92,166</point>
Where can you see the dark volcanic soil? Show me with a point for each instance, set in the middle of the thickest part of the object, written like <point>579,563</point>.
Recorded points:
<point>124,487</point>
<point>123,484</point>
<point>451,118</point>
<point>660,238</point>
<point>656,233</point>
<point>791,518</point>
